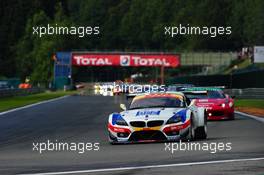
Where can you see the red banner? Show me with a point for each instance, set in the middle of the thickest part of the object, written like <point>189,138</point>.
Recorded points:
<point>150,60</point>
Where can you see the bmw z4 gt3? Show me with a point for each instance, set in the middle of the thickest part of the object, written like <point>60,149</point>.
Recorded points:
<point>158,117</point>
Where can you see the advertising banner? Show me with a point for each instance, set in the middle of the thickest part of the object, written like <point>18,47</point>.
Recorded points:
<point>136,60</point>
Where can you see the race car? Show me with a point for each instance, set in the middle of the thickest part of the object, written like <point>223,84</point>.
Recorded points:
<point>178,87</point>
<point>219,106</point>
<point>158,117</point>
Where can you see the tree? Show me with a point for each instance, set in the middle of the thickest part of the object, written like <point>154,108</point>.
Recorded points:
<point>34,53</point>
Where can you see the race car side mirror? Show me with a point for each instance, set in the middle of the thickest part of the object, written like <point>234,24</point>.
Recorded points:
<point>123,106</point>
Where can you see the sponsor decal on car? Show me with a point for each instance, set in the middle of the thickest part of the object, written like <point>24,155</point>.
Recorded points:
<point>148,113</point>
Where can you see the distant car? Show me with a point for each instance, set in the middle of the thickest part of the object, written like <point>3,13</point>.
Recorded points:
<point>178,87</point>
<point>157,117</point>
<point>219,106</point>
<point>106,89</point>
<point>25,86</point>
<point>79,86</point>
<point>97,86</point>
<point>117,90</point>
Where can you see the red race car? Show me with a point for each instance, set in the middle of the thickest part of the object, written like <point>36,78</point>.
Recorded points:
<point>219,106</point>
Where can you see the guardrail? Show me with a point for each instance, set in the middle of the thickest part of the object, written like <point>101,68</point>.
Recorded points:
<point>19,92</point>
<point>207,58</point>
<point>252,80</point>
<point>248,93</point>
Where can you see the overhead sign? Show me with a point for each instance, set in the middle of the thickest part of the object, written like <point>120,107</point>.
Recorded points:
<point>259,54</point>
<point>136,60</point>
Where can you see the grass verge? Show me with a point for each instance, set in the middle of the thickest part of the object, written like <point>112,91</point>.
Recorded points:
<point>255,103</point>
<point>19,101</point>
<point>250,106</point>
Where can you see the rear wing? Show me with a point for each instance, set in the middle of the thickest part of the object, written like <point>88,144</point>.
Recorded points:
<point>191,95</point>
<point>194,92</point>
<point>213,88</point>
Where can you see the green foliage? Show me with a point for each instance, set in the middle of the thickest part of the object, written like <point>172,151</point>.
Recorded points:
<point>34,54</point>
<point>125,25</point>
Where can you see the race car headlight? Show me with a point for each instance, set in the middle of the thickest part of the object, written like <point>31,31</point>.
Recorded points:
<point>117,119</point>
<point>180,116</point>
<point>230,104</point>
<point>174,119</point>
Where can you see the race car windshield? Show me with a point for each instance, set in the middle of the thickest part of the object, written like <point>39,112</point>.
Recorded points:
<point>208,95</point>
<point>167,102</point>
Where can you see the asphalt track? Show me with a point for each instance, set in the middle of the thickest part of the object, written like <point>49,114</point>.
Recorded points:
<point>84,118</point>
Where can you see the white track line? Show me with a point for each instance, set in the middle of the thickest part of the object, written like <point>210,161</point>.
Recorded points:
<point>251,116</point>
<point>31,105</point>
<point>147,167</point>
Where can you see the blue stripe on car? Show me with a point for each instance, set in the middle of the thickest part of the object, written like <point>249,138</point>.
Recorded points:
<point>182,113</point>
<point>115,117</point>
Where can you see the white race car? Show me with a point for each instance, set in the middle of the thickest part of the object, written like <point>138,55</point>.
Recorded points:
<point>166,116</point>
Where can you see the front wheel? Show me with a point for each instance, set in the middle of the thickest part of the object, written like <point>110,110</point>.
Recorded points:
<point>191,132</point>
<point>201,132</point>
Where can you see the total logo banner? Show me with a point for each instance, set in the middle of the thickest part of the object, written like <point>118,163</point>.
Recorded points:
<point>149,60</point>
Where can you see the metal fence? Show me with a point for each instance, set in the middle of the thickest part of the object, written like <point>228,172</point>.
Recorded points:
<point>249,93</point>
<point>208,58</point>
<point>252,79</point>
<point>19,92</point>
